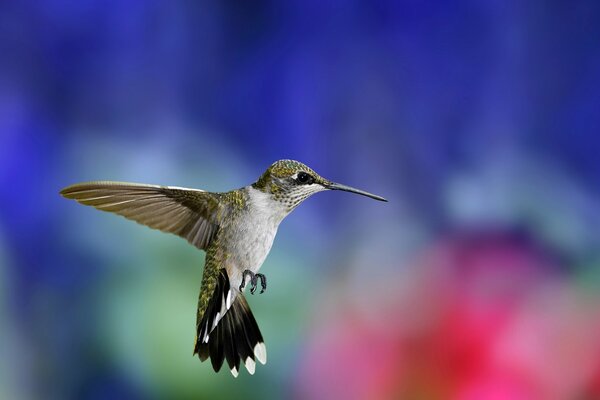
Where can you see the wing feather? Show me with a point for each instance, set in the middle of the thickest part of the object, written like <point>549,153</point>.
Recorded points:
<point>189,213</point>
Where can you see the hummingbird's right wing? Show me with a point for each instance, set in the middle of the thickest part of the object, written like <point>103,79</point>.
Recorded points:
<point>190,213</point>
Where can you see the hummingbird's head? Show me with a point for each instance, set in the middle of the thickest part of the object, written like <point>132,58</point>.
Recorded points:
<point>292,182</point>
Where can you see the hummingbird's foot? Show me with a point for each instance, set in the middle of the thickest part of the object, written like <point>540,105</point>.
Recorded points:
<point>263,283</point>
<point>253,281</point>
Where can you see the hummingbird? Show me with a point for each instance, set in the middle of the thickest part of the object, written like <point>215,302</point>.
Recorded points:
<point>236,230</point>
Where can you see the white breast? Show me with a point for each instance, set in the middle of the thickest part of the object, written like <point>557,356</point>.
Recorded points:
<point>255,231</point>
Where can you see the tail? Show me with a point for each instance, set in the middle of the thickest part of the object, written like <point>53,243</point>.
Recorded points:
<point>236,336</point>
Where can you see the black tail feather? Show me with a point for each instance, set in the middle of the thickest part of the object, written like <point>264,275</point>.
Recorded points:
<point>215,350</point>
<point>236,338</point>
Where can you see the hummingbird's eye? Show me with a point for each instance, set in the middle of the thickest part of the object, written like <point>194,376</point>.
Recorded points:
<point>304,178</point>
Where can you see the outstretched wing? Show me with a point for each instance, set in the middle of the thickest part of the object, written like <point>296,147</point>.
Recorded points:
<point>189,213</point>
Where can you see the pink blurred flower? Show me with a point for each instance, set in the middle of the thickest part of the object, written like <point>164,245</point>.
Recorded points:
<point>486,316</point>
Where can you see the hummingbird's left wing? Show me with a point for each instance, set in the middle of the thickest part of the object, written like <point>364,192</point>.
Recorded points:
<point>190,213</point>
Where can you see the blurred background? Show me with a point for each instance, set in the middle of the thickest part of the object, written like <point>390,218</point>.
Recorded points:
<point>479,121</point>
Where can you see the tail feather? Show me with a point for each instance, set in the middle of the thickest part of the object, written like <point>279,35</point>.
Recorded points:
<point>236,337</point>
<point>229,347</point>
<point>215,350</point>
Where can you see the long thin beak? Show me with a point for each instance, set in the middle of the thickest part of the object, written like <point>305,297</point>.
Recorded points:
<point>339,186</point>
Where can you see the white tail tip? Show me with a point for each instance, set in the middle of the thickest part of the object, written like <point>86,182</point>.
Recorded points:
<point>250,365</point>
<point>260,352</point>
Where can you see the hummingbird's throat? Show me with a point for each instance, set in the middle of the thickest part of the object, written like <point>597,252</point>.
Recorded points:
<point>292,197</point>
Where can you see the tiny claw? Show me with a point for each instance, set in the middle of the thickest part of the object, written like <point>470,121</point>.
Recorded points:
<point>246,272</point>
<point>263,282</point>
<point>253,281</point>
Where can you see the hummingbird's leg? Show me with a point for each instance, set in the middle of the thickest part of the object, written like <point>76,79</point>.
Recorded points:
<point>252,281</point>
<point>243,284</point>
<point>263,282</point>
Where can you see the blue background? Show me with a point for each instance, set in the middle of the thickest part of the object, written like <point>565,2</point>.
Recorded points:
<point>479,122</point>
